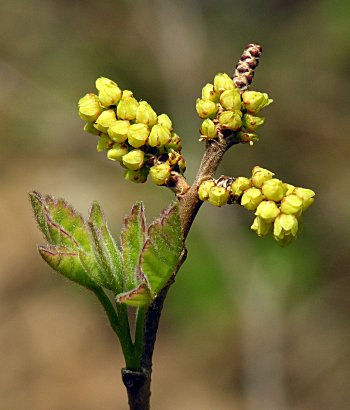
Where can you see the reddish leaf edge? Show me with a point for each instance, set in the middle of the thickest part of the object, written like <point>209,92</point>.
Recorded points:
<point>130,297</point>
<point>127,219</point>
<point>159,221</point>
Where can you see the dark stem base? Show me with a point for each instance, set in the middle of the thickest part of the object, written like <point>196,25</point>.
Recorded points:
<point>138,387</point>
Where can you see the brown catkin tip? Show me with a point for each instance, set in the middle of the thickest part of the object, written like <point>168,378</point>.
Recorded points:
<point>244,71</point>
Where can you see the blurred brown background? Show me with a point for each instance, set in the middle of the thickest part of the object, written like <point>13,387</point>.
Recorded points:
<point>248,325</point>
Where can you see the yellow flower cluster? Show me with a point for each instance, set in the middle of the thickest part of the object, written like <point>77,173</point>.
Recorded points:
<point>278,206</point>
<point>131,132</point>
<point>224,108</point>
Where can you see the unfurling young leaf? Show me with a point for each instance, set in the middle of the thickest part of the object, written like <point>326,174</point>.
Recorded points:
<point>67,262</point>
<point>157,258</point>
<point>162,250</point>
<point>140,296</point>
<point>60,222</point>
<point>40,213</point>
<point>132,239</point>
<point>105,250</point>
<point>86,256</point>
<point>86,252</point>
<point>69,219</point>
<point>92,268</point>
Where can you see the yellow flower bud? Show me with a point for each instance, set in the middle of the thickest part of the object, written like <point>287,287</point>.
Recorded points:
<point>239,185</point>
<point>127,107</point>
<point>176,159</point>
<point>117,152</point>
<point>104,143</point>
<point>89,127</point>
<point>223,82</point>
<point>204,188</point>
<point>134,159</point>
<point>254,101</point>
<point>127,93</point>
<point>182,165</point>
<point>174,142</point>
<point>159,136</point>
<point>289,189</point>
<point>208,129</point>
<point>165,121</point>
<point>208,93</point>
<point>251,122</point>
<point>274,189</point>
<point>260,175</point>
<point>103,82</point>
<point>89,107</point>
<point>109,92</point>
<point>105,120</point>
<point>247,137</point>
<point>138,135</point>
<point>145,114</point>
<point>218,196</point>
<point>268,211</point>
<point>231,100</point>
<point>291,204</point>
<point>285,229</point>
<point>231,120</point>
<point>261,227</point>
<point>251,198</point>
<point>139,176</point>
<point>160,173</point>
<point>119,131</point>
<point>306,195</point>
<point>206,108</point>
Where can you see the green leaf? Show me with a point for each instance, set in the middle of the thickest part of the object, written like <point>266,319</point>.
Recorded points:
<point>92,267</point>
<point>105,248</point>
<point>162,250</point>
<point>140,296</point>
<point>71,221</point>
<point>96,215</point>
<point>65,228</point>
<point>60,222</point>
<point>53,232</point>
<point>59,236</point>
<point>40,215</point>
<point>66,262</point>
<point>132,239</point>
<point>111,276</point>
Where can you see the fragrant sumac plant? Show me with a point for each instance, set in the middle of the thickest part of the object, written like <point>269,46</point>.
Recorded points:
<point>137,271</point>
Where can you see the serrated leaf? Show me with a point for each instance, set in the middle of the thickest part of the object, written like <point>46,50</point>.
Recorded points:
<point>132,240</point>
<point>162,250</point>
<point>106,250</point>
<point>140,296</point>
<point>66,262</point>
